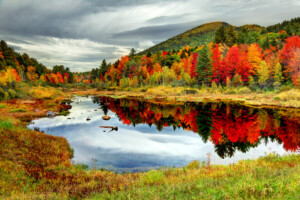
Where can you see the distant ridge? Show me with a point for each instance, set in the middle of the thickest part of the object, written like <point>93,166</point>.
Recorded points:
<point>197,36</point>
<point>194,37</point>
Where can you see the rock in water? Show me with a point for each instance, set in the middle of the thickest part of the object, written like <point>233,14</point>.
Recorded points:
<point>106,117</point>
<point>50,114</point>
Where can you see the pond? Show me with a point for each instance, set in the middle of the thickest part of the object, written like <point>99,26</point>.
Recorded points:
<point>154,134</point>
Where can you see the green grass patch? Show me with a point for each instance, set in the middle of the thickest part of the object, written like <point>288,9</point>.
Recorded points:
<point>18,110</point>
<point>5,124</point>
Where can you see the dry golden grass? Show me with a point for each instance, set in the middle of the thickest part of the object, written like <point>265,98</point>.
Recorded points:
<point>166,91</point>
<point>40,92</point>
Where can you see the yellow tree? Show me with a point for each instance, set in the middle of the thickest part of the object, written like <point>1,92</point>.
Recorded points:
<point>177,67</point>
<point>254,56</point>
<point>263,74</point>
<point>42,78</point>
<point>157,67</point>
<point>31,75</point>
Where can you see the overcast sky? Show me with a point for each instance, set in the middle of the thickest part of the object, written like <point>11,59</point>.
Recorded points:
<point>80,33</point>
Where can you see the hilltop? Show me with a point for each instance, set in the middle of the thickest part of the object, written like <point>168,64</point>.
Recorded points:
<point>194,37</point>
<point>197,36</point>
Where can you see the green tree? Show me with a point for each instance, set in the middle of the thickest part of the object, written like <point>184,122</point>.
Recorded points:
<point>204,67</point>
<point>277,76</point>
<point>132,52</point>
<point>231,36</point>
<point>220,35</point>
<point>278,73</point>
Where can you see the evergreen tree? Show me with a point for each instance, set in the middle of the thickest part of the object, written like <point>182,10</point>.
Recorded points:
<point>204,67</point>
<point>132,52</point>
<point>231,36</point>
<point>220,35</point>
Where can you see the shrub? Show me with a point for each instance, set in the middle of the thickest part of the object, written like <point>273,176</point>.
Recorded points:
<point>3,95</point>
<point>124,82</point>
<point>154,177</point>
<point>285,88</point>
<point>276,85</point>
<point>191,91</point>
<point>12,94</point>
<point>237,81</point>
<point>44,92</point>
<point>2,106</point>
<point>214,88</point>
<point>251,83</point>
<point>193,165</point>
<point>244,90</point>
<point>231,91</point>
<point>291,95</point>
<point>81,166</point>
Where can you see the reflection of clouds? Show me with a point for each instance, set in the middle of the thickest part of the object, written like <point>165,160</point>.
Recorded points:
<point>134,148</point>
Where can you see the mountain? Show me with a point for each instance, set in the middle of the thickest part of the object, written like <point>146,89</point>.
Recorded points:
<point>194,37</point>
<point>197,36</point>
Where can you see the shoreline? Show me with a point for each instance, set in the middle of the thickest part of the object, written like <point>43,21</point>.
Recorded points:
<point>251,100</point>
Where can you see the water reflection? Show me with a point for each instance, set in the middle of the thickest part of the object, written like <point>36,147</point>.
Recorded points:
<point>230,127</point>
<point>153,134</point>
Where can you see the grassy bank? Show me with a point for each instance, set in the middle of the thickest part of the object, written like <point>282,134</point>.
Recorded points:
<point>270,177</point>
<point>289,98</point>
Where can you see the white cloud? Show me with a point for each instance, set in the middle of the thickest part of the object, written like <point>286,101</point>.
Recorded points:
<point>78,54</point>
<point>146,44</point>
<point>76,31</point>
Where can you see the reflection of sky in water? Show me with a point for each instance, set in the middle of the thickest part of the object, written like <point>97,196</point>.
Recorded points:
<point>133,148</point>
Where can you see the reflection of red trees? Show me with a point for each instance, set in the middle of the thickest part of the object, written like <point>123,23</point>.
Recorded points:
<point>243,128</point>
<point>289,134</point>
<point>236,125</point>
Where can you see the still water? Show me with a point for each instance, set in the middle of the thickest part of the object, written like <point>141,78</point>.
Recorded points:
<point>153,134</point>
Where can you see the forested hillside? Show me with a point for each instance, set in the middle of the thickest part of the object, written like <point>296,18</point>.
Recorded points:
<point>197,36</point>
<point>200,35</point>
<point>247,56</point>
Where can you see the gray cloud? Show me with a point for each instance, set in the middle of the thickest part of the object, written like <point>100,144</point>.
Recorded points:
<point>86,31</point>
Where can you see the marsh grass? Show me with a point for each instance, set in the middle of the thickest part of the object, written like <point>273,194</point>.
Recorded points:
<point>170,91</point>
<point>40,92</point>
<point>6,124</point>
<point>270,177</point>
<point>16,110</point>
<point>291,95</point>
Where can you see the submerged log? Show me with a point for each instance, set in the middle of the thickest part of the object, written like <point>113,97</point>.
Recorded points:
<point>113,128</point>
